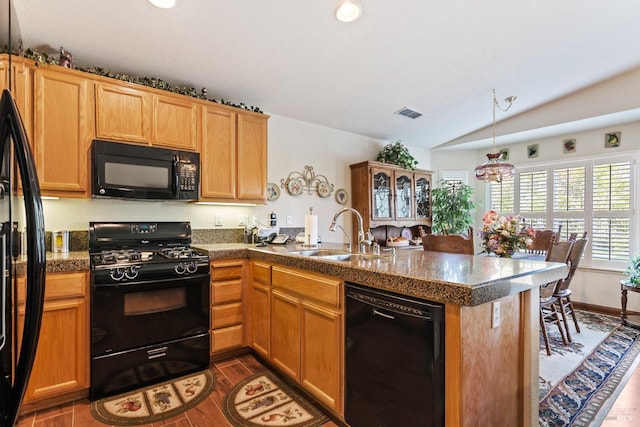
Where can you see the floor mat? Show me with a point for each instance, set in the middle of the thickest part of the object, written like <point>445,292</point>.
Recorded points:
<point>264,400</point>
<point>155,402</point>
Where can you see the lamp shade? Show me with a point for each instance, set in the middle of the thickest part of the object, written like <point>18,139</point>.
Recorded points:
<point>493,170</point>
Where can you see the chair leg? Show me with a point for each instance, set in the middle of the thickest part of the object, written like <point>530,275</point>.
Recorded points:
<point>563,314</point>
<point>573,314</point>
<point>558,321</point>
<point>543,327</point>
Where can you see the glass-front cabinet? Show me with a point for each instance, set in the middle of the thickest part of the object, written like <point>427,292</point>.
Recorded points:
<point>386,194</point>
<point>382,194</point>
<point>422,188</point>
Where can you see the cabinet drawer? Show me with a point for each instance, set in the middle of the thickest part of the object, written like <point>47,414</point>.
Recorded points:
<point>261,272</point>
<point>225,338</point>
<point>317,287</point>
<point>60,285</point>
<point>223,292</point>
<point>226,271</point>
<point>226,315</point>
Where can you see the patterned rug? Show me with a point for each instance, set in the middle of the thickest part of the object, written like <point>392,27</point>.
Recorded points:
<point>264,400</point>
<point>156,402</point>
<point>580,382</point>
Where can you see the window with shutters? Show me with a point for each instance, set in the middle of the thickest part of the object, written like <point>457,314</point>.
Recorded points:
<point>596,196</point>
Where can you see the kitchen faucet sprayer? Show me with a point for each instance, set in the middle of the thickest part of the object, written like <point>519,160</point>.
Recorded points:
<point>362,240</point>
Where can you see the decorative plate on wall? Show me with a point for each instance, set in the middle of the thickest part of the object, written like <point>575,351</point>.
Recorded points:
<point>273,192</point>
<point>324,189</point>
<point>341,196</point>
<point>294,187</point>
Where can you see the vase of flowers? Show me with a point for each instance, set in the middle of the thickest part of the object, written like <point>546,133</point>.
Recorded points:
<point>504,236</point>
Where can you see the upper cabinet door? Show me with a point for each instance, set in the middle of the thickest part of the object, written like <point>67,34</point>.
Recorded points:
<point>252,158</point>
<point>175,123</point>
<point>63,130</point>
<point>123,113</point>
<point>218,154</point>
<point>382,197</point>
<point>422,192</point>
<point>404,195</point>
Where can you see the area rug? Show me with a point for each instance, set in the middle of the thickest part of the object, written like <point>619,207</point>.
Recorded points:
<point>580,382</point>
<point>154,403</point>
<point>265,400</point>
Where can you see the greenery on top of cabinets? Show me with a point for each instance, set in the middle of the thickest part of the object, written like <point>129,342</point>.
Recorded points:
<point>452,206</point>
<point>397,154</point>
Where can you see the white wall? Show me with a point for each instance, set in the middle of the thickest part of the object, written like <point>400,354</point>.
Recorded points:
<point>292,145</point>
<point>590,286</point>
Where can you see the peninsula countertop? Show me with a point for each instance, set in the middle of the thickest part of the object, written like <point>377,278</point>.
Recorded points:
<point>466,280</point>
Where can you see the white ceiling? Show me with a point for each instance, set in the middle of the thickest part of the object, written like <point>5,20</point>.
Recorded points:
<point>292,58</point>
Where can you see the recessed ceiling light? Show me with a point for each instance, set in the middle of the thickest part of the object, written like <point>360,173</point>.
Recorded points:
<point>163,4</point>
<point>348,11</point>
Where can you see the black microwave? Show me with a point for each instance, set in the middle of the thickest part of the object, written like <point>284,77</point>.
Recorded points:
<point>142,172</point>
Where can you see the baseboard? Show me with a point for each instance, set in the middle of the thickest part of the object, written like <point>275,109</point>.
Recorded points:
<point>601,309</point>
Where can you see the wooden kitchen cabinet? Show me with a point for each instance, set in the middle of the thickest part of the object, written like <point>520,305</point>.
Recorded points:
<point>233,154</point>
<point>61,366</point>
<point>388,195</point>
<point>261,308</point>
<point>307,332</point>
<point>130,114</point>
<point>20,89</point>
<point>227,310</point>
<point>63,127</point>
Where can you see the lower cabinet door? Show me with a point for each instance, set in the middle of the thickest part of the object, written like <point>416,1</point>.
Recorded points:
<point>261,320</point>
<point>285,333</point>
<point>321,354</point>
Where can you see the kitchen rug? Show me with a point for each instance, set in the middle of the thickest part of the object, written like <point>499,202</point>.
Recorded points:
<point>154,403</point>
<point>580,382</point>
<point>264,400</point>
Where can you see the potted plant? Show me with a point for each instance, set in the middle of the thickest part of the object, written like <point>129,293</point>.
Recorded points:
<point>452,208</point>
<point>396,153</point>
<point>633,270</point>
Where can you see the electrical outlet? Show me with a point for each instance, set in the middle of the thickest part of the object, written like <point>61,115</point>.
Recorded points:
<point>289,220</point>
<point>218,220</point>
<point>495,316</point>
<point>243,219</point>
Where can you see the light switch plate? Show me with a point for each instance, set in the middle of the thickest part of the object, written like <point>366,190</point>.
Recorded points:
<point>218,222</point>
<point>289,219</point>
<point>243,219</point>
<point>495,314</point>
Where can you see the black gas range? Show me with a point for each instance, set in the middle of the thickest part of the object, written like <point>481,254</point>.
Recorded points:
<point>149,304</point>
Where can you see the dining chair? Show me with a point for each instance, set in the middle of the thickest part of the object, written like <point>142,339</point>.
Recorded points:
<point>562,292</point>
<point>549,314</point>
<point>541,241</point>
<point>451,243</point>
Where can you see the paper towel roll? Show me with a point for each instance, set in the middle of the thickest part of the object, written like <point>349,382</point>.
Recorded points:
<point>311,229</point>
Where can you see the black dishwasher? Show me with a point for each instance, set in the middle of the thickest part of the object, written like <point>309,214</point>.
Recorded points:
<point>394,360</point>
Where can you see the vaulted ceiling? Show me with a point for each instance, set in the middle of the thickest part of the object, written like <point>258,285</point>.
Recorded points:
<point>294,59</point>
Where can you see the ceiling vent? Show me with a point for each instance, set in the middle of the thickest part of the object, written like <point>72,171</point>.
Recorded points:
<point>408,112</point>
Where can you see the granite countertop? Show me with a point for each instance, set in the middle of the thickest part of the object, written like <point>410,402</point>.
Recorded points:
<point>467,280</point>
<point>448,278</point>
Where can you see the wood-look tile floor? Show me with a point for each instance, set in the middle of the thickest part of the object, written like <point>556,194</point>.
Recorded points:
<point>625,412</point>
<point>206,414</point>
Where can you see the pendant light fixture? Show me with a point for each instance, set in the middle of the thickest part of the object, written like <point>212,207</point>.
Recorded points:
<point>163,4</point>
<point>494,170</point>
<point>348,11</point>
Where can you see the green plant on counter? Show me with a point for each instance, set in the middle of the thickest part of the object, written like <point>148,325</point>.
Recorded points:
<point>452,207</point>
<point>397,154</point>
<point>633,270</point>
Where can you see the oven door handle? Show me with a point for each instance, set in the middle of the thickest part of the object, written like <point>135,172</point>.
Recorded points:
<point>152,283</point>
<point>157,353</point>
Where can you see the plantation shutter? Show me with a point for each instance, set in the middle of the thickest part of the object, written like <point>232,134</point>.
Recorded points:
<point>611,211</point>
<point>502,196</point>
<point>569,185</point>
<point>533,197</point>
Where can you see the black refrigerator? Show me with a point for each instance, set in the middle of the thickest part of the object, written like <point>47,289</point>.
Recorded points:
<point>19,210</point>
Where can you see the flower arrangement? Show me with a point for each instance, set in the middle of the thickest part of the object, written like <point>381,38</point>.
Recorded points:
<point>633,270</point>
<point>502,235</point>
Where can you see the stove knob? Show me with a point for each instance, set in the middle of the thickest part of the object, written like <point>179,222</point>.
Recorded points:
<point>132,272</point>
<point>192,267</point>
<point>117,274</point>
<point>180,268</point>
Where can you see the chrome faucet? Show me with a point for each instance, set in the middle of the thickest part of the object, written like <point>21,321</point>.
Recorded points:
<point>362,240</point>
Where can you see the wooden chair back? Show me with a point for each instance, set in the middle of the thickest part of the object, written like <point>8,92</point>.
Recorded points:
<point>574,260</point>
<point>541,241</point>
<point>451,243</point>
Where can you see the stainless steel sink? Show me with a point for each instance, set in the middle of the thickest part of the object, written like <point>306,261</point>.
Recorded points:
<point>351,257</point>
<point>319,252</point>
